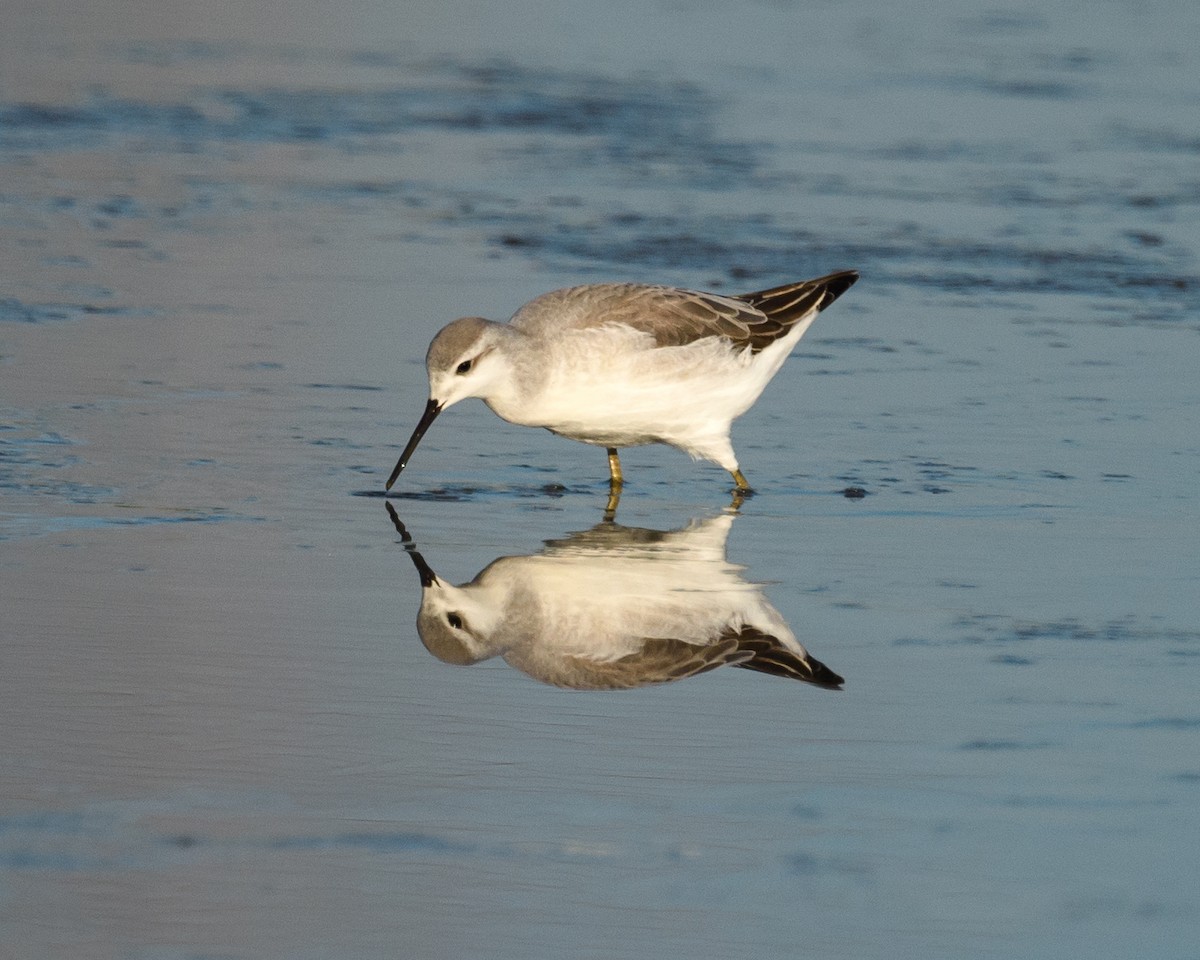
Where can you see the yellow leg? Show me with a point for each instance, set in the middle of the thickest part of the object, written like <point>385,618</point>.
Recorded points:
<point>614,500</point>
<point>614,468</point>
<point>740,483</point>
<point>615,482</point>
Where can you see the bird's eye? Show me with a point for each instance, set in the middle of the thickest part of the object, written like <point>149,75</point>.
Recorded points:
<point>464,367</point>
<point>454,620</point>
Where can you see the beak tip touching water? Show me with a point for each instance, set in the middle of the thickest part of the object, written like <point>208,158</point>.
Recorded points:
<point>395,473</point>
<point>432,409</point>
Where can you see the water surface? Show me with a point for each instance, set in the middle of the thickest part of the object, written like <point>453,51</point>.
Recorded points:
<point>227,238</point>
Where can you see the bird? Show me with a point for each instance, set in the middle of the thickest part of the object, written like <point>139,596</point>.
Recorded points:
<point>625,364</point>
<point>613,608</point>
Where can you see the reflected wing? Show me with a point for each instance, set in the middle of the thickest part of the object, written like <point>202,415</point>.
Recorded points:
<point>768,655</point>
<point>657,661</point>
<point>666,660</point>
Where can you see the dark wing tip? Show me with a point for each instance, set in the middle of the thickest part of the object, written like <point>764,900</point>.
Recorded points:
<point>792,301</point>
<point>835,284</point>
<point>769,656</point>
<point>810,670</point>
<point>822,676</point>
<point>819,292</point>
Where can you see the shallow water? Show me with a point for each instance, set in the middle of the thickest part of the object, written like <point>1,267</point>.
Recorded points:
<point>226,238</point>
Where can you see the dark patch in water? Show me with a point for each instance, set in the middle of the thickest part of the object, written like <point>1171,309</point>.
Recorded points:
<point>57,822</point>
<point>338,443</point>
<point>1032,89</point>
<point>447,494</point>
<point>375,842</point>
<point>13,310</point>
<point>803,864</point>
<point>183,841</point>
<point>461,492</point>
<point>1167,723</point>
<point>52,840</point>
<point>30,455</point>
<point>989,629</point>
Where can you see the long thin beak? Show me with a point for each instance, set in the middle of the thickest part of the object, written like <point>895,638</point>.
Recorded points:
<point>432,409</point>
<point>424,570</point>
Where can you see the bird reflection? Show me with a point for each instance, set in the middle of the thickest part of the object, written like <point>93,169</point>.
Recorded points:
<point>613,608</point>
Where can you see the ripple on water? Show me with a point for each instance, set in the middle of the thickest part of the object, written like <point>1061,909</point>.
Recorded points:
<point>14,310</point>
<point>600,136</point>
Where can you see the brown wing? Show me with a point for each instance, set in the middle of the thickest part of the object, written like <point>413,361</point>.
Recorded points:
<point>656,661</point>
<point>784,306</point>
<point>755,320</point>
<point>664,660</point>
<point>675,317</point>
<point>768,655</point>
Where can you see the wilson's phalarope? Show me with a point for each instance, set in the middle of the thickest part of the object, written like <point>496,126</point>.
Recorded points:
<point>623,364</point>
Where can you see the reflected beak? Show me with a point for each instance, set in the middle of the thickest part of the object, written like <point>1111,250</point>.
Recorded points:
<point>424,570</point>
<point>432,409</point>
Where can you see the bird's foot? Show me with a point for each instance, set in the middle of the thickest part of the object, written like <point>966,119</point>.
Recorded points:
<point>741,490</point>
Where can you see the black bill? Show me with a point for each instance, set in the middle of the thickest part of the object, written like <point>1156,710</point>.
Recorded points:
<point>432,409</point>
<point>424,570</point>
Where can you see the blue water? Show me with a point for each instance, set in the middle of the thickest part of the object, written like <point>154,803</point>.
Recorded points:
<point>226,237</point>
